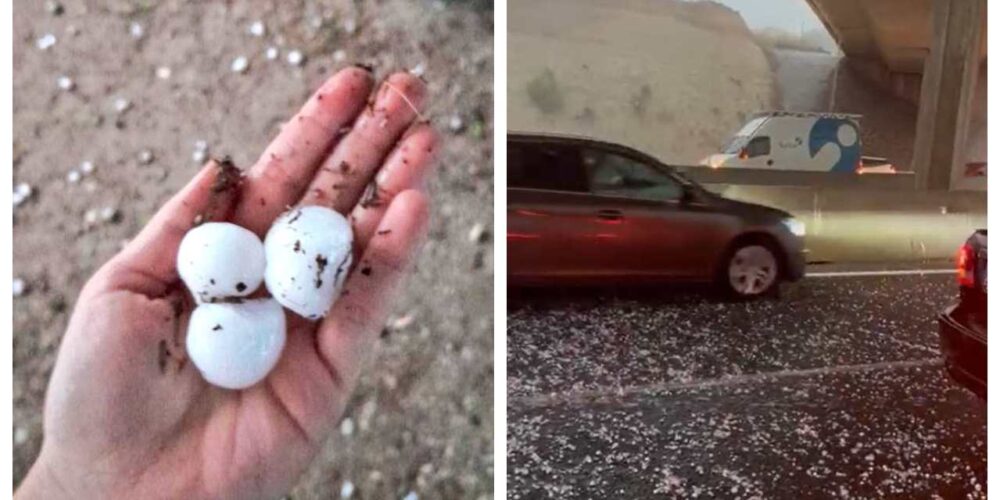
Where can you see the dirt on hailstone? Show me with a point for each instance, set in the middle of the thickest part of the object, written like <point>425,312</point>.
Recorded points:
<point>421,419</point>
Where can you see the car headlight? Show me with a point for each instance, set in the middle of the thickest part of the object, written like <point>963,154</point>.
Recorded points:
<point>796,227</point>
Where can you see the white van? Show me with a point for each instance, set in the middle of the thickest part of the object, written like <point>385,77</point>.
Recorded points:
<point>814,142</point>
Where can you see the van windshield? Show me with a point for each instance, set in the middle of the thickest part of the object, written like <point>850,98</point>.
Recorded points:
<point>741,137</point>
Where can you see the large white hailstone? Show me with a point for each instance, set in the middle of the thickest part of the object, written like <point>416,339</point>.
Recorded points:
<point>218,260</point>
<point>235,345</point>
<point>308,253</point>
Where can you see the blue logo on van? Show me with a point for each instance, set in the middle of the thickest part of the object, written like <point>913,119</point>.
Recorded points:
<point>841,133</point>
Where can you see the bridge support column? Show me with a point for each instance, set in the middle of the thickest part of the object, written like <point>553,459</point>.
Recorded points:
<point>950,75</point>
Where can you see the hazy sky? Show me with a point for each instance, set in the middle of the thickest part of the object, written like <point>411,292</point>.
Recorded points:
<point>790,15</point>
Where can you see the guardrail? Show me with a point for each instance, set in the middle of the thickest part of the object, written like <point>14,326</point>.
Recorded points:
<point>771,177</point>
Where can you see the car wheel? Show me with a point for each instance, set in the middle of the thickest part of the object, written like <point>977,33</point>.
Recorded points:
<point>750,271</point>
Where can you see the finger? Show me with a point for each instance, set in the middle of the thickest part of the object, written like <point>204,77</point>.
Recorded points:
<point>345,336</point>
<point>148,264</point>
<point>406,168</point>
<point>289,162</point>
<point>345,173</point>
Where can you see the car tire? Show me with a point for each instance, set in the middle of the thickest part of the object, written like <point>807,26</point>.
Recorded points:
<point>751,269</point>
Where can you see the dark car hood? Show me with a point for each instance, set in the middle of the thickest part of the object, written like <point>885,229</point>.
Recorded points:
<point>761,212</point>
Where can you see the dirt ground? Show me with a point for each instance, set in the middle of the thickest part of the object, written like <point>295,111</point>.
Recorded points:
<point>421,420</point>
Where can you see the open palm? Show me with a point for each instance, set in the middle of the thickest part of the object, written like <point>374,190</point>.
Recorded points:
<point>127,415</point>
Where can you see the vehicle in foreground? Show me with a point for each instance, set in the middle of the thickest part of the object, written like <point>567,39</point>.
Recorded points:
<point>582,211</point>
<point>962,326</point>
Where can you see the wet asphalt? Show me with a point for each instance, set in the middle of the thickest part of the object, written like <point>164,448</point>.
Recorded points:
<point>835,390</point>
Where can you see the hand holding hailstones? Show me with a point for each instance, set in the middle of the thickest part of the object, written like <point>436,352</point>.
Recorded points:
<point>303,261</point>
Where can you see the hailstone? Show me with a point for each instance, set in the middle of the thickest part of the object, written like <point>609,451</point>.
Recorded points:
<point>308,253</point>
<point>217,260</point>
<point>235,345</point>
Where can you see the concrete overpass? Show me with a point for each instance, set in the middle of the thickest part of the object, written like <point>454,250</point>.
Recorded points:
<point>932,52</point>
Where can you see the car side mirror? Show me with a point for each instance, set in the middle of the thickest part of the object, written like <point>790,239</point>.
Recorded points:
<point>687,194</point>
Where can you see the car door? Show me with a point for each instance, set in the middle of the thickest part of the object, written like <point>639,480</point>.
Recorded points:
<point>652,230</point>
<point>550,223</point>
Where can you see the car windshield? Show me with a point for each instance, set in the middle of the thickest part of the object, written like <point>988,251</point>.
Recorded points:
<point>735,144</point>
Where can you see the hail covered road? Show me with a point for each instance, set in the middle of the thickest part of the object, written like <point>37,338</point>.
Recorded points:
<point>834,391</point>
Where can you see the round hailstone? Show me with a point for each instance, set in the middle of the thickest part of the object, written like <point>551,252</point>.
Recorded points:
<point>239,65</point>
<point>339,56</point>
<point>122,104</point>
<point>46,41</point>
<point>308,254</point>
<point>271,53</point>
<point>235,345</point>
<point>295,58</point>
<point>201,145</point>
<point>91,216</point>
<point>136,30</point>
<point>218,260</point>
<point>163,72</point>
<point>87,167</point>
<point>418,70</point>
<point>257,29</point>
<point>73,176</point>
<point>66,83</point>
<point>146,157</point>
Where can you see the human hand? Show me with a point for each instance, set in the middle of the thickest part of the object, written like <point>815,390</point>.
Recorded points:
<point>127,415</point>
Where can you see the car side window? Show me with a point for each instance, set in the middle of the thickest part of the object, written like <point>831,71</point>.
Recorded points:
<point>759,146</point>
<point>551,167</point>
<point>614,174</point>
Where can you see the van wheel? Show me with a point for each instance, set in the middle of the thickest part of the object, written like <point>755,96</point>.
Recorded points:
<point>750,270</point>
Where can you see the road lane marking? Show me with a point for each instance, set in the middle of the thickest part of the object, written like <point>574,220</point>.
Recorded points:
<point>898,272</point>
<point>590,395</point>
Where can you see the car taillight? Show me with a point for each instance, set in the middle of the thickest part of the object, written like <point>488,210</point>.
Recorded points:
<point>744,154</point>
<point>966,263</point>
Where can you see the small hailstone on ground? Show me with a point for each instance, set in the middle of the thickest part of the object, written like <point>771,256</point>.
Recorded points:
<point>411,496</point>
<point>257,29</point>
<point>109,214</point>
<point>339,56</point>
<point>24,190</point>
<point>418,70</point>
<point>54,8</point>
<point>122,104</point>
<point>295,58</point>
<point>136,30</point>
<point>347,490</point>
<point>46,41</point>
<point>146,157</point>
<point>271,53</point>
<point>478,233</point>
<point>66,83</point>
<point>91,216</point>
<point>456,124</point>
<point>350,26</point>
<point>239,65</point>
<point>163,72</point>
<point>20,287</point>
<point>73,176</point>
<point>201,145</point>
<point>199,156</point>
<point>347,427</point>
<point>86,167</point>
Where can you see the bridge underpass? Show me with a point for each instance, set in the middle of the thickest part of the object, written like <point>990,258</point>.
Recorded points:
<point>932,52</point>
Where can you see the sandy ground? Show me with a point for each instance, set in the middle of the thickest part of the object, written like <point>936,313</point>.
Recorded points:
<point>671,78</point>
<point>422,418</point>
